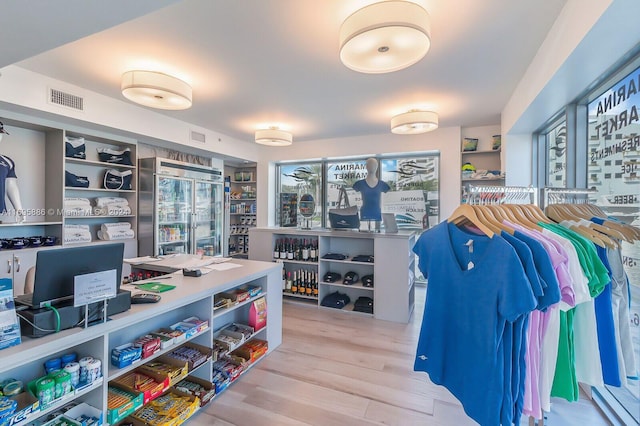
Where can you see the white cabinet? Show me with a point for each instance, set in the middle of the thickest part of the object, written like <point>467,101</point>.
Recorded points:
<point>192,297</point>
<point>392,266</point>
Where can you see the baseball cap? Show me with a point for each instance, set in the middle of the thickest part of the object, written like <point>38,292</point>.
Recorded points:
<point>2,129</point>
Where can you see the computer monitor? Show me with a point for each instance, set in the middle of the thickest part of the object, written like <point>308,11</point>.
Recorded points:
<point>57,268</point>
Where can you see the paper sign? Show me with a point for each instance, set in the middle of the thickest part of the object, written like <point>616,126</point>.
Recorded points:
<point>94,287</point>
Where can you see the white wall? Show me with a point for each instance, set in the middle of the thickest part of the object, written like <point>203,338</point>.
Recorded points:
<point>445,140</point>
<point>26,91</point>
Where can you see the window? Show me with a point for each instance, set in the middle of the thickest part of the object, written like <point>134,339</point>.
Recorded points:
<point>556,140</point>
<point>294,181</point>
<point>413,197</point>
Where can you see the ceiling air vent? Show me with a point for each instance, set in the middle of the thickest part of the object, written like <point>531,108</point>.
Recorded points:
<point>198,137</point>
<point>58,97</point>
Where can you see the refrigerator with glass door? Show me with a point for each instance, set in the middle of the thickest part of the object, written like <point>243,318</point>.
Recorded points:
<point>180,208</point>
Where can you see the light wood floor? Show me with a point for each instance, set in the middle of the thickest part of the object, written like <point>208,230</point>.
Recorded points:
<point>334,368</point>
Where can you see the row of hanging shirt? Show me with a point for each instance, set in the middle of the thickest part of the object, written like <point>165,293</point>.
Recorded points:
<point>520,309</point>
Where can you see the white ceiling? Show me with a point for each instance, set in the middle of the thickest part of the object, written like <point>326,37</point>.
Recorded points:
<point>257,62</point>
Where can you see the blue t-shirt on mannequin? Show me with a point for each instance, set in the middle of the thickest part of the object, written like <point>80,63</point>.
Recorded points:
<point>371,188</point>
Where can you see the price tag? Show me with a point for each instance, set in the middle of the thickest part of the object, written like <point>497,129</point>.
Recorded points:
<point>94,287</point>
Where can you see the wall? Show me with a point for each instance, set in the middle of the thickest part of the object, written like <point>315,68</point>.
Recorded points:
<point>25,92</point>
<point>446,140</point>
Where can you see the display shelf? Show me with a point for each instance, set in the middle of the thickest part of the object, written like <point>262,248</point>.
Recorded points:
<point>117,372</point>
<point>492,151</point>
<point>236,234</point>
<point>391,301</point>
<point>299,296</point>
<point>61,402</point>
<point>243,181</point>
<point>223,311</point>
<point>296,262</point>
<point>173,222</point>
<point>347,261</point>
<point>483,180</point>
<point>22,224</point>
<point>74,188</point>
<point>71,160</point>
<point>242,199</point>
<point>242,214</point>
<point>162,243</point>
<point>357,285</point>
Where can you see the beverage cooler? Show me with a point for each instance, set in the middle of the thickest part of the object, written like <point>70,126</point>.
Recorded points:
<point>180,208</point>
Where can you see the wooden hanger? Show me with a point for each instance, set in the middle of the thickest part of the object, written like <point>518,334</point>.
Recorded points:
<point>490,220</point>
<point>521,217</point>
<point>465,212</point>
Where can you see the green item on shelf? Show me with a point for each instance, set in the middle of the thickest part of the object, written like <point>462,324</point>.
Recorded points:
<point>156,287</point>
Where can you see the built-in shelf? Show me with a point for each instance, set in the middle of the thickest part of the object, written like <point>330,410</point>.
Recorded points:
<point>98,163</point>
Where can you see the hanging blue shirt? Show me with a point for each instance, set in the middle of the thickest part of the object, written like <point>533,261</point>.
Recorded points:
<point>476,285</point>
<point>371,199</point>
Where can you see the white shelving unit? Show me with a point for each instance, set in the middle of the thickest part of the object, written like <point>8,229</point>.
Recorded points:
<point>393,291</point>
<point>39,153</point>
<point>192,297</point>
<point>242,208</point>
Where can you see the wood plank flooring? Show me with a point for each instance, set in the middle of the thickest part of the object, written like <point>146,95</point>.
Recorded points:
<point>339,369</point>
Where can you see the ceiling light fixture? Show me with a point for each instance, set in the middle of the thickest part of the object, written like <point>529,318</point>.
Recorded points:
<point>156,90</point>
<point>414,122</point>
<point>273,136</point>
<point>385,37</point>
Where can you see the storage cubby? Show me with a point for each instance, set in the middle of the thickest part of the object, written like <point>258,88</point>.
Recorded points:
<point>241,207</point>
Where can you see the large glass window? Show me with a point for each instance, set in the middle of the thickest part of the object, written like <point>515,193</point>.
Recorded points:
<point>294,182</point>
<point>556,140</point>
<point>413,197</point>
<point>614,172</point>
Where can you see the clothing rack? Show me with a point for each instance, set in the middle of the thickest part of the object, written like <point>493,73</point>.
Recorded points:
<point>565,195</point>
<point>483,195</point>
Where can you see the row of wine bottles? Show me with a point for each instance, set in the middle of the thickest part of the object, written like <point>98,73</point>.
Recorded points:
<point>296,249</point>
<point>302,282</point>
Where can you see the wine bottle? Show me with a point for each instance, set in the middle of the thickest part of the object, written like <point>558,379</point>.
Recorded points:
<point>305,250</point>
<point>301,284</point>
<point>276,250</point>
<point>294,284</point>
<point>309,287</point>
<point>283,248</point>
<point>290,250</point>
<point>315,285</point>
<point>288,288</point>
<point>284,280</point>
<point>313,253</point>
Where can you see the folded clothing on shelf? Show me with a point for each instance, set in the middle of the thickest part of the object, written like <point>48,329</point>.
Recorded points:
<point>78,211</point>
<point>76,202</point>
<point>120,234</point>
<point>113,210</point>
<point>112,227</point>
<point>75,181</point>
<point>76,234</point>
<point>335,300</point>
<point>105,201</point>
<point>363,258</point>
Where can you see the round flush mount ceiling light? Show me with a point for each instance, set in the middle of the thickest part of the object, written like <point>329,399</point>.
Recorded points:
<point>414,122</point>
<point>273,136</point>
<point>385,37</point>
<point>156,90</point>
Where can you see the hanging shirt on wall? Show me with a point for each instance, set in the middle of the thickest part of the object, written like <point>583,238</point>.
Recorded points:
<point>7,170</point>
<point>476,285</point>
<point>370,199</point>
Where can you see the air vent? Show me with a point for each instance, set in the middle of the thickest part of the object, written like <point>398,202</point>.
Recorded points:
<point>58,97</point>
<point>198,137</point>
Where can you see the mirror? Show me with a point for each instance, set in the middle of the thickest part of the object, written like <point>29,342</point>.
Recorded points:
<point>307,207</point>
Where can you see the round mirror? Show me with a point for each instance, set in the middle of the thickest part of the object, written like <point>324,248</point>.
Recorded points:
<point>307,206</point>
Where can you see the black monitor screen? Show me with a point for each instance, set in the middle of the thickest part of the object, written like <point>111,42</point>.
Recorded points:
<point>56,269</point>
